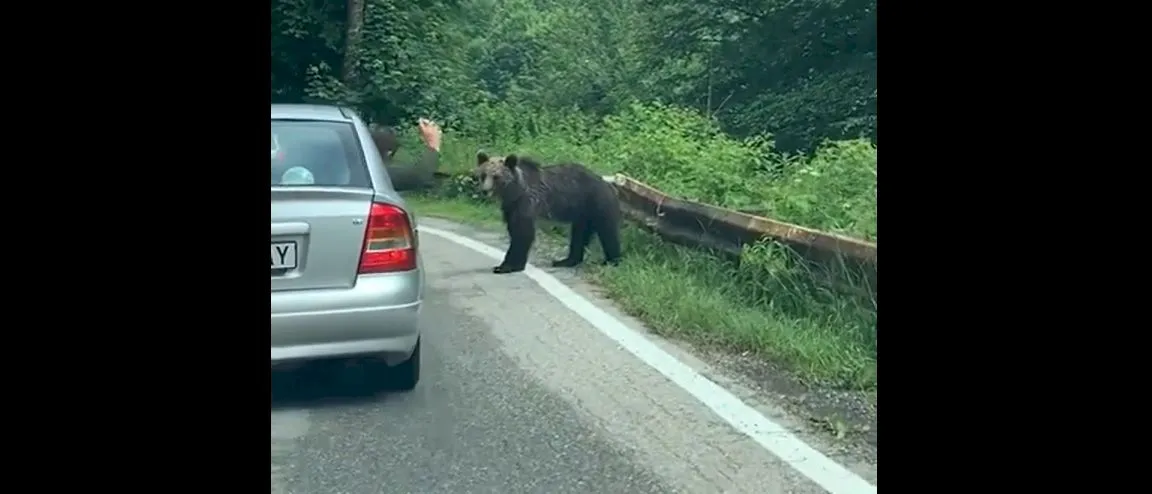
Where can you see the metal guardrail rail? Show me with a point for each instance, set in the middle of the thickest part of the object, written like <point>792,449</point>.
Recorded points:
<point>699,225</point>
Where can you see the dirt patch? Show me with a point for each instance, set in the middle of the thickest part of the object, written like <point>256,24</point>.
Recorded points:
<point>846,418</point>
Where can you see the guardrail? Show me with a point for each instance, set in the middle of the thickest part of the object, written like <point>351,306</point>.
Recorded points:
<point>699,225</point>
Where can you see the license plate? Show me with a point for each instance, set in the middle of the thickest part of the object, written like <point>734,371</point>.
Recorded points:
<point>283,255</point>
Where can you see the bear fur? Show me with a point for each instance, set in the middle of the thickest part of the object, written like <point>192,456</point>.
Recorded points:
<point>568,193</point>
<point>386,141</point>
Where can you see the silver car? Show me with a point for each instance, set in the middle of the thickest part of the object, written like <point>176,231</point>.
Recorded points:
<point>347,279</point>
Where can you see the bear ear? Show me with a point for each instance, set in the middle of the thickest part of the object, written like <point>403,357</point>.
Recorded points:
<point>481,158</point>
<point>511,160</point>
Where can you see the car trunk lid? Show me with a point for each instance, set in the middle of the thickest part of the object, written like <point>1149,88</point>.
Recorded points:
<point>317,236</point>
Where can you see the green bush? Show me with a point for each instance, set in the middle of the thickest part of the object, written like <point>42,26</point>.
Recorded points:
<point>834,190</point>
<point>684,154</point>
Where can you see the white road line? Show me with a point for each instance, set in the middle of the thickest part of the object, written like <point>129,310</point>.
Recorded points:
<point>826,473</point>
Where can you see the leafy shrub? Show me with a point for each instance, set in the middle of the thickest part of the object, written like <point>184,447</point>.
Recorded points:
<point>462,186</point>
<point>834,190</point>
<point>685,154</point>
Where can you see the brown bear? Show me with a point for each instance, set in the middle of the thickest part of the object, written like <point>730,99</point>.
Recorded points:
<point>386,142</point>
<point>567,192</point>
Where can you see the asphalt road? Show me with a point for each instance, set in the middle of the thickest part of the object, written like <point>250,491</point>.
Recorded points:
<point>519,395</point>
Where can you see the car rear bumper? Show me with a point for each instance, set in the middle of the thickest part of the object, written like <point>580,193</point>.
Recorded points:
<point>380,315</point>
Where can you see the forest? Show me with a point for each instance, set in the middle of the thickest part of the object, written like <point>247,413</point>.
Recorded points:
<point>765,106</point>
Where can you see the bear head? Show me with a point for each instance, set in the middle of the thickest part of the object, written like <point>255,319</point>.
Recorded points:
<point>498,175</point>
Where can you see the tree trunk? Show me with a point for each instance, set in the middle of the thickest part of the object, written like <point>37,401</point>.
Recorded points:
<point>355,27</point>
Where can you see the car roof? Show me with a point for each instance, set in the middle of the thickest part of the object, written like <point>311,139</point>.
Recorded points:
<point>327,113</point>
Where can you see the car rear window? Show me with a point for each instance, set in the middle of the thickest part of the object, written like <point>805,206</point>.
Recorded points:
<point>317,153</point>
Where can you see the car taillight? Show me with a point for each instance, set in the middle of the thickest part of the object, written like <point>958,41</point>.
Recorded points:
<point>388,242</point>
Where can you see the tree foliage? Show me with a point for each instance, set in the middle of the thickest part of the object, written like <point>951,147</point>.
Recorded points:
<point>766,106</point>
<point>800,70</point>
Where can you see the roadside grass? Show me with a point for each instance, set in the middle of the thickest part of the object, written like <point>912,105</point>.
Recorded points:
<point>690,295</point>
<point>457,210</point>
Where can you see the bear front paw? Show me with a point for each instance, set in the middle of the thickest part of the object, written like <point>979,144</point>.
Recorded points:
<point>502,269</point>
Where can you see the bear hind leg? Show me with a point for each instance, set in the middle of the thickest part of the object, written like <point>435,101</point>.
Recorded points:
<point>608,230</point>
<point>578,241</point>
